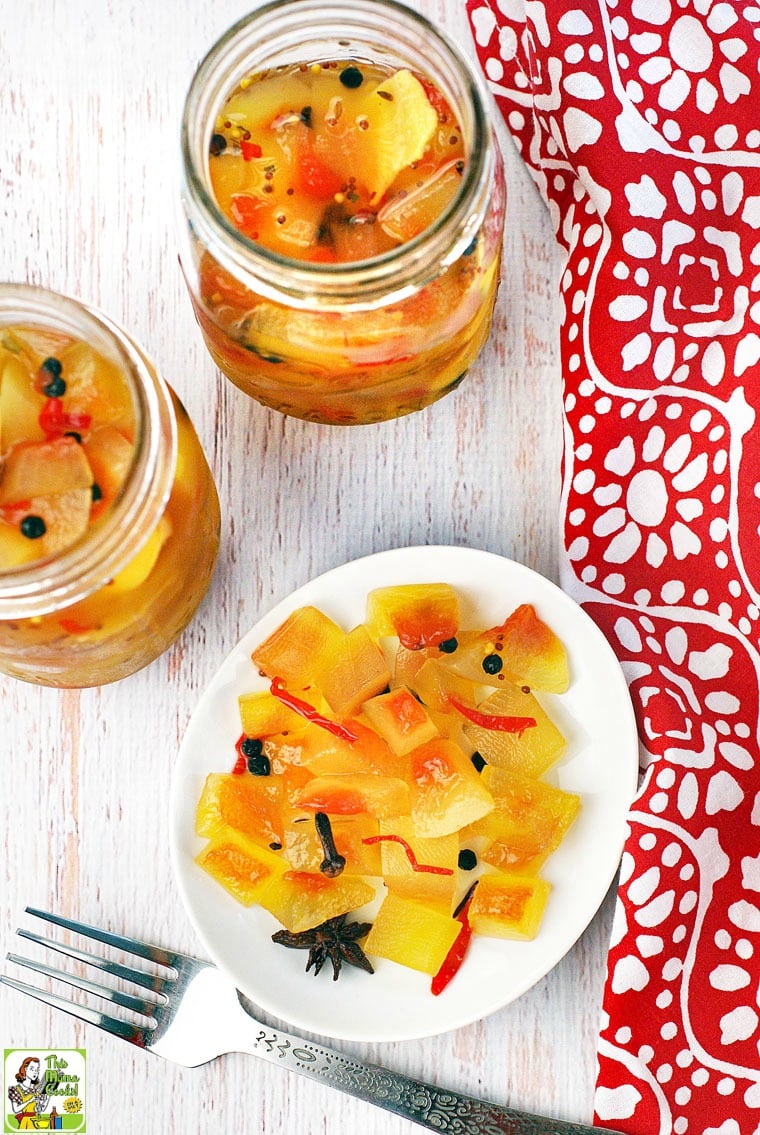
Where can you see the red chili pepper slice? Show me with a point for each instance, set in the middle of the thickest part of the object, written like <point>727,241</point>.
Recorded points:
<point>71,626</point>
<point>323,254</point>
<point>76,420</point>
<point>316,178</point>
<point>246,213</point>
<point>503,723</point>
<point>453,960</point>
<point>436,100</point>
<point>250,150</point>
<point>241,764</point>
<point>307,710</point>
<point>55,421</point>
<point>429,868</point>
<point>51,417</point>
<point>15,511</point>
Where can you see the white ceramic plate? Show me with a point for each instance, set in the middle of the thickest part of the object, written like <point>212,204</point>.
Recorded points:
<point>600,763</point>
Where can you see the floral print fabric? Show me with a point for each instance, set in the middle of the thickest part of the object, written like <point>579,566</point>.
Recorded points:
<point>640,123</point>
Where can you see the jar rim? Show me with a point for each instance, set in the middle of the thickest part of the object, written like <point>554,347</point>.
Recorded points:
<point>104,549</point>
<point>391,275</point>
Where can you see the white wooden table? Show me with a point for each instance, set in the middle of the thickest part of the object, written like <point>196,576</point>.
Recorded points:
<point>90,103</point>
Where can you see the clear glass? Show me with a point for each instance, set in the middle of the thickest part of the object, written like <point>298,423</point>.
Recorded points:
<point>117,597</point>
<point>345,343</point>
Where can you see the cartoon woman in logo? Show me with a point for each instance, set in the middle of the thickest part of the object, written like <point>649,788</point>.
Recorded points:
<point>29,1098</point>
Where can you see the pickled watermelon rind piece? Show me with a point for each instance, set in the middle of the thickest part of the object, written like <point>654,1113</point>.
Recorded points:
<point>351,671</point>
<point>243,867</point>
<point>400,719</point>
<point>509,906</point>
<point>295,649</point>
<point>395,773</point>
<point>532,751</point>
<point>300,900</point>
<point>350,794</point>
<point>43,469</point>
<point>447,794</point>
<point>434,889</point>
<point>411,934</point>
<point>402,122</point>
<point>250,805</point>
<point>532,654</point>
<point>529,821</point>
<point>419,614</point>
<point>264,715</point>
<point>303,849</point>
<point>62,404</point>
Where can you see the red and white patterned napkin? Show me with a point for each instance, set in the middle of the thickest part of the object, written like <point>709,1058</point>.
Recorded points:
<point>640,123</point>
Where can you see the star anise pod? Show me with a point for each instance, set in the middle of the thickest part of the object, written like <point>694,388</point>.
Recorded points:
<point>335,939</point>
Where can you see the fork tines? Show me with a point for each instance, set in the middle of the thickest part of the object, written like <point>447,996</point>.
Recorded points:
<point>138,1032</point>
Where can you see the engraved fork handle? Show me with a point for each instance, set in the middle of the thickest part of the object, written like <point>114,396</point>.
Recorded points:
<point>431,1107</point>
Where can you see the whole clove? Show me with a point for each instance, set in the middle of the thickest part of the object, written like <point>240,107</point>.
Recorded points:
<point>333,863</point>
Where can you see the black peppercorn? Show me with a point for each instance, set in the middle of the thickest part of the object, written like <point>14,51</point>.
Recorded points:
<point>56,388</point>
<point>448,646</point>
<point>351,77</point>
<point>256,759</point>
<point>53,366</point>
<point>492,664</point>
<point>251,747</point>
<point>217,145</point>
<point>467,860</point>
<point>50,375</point>
<point>478,761</point>
<point>258,766</point>
<point>96,491</point>
<point>33,527</point>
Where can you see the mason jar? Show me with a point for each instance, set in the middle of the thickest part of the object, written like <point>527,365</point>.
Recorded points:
<point>372,338</point>
<point>109,516</point>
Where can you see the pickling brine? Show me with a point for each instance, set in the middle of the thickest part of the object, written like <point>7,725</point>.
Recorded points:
<point>109,518</point>
<point>336,161</point>
<point>344,210</point>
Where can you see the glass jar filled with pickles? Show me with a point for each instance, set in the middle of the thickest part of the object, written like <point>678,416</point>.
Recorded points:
<point>344,204</point>
<point>109,516</point>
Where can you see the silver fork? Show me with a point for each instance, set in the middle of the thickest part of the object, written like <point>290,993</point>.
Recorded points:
<point>193,1014</point>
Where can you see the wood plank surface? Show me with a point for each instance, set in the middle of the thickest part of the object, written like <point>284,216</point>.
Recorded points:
<point>90,103</point>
